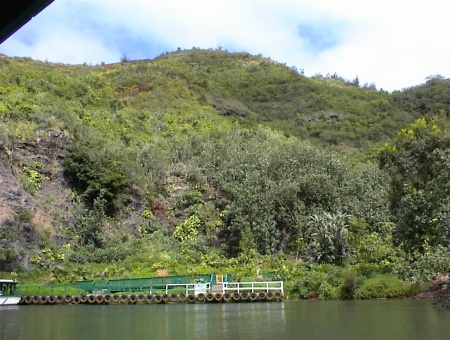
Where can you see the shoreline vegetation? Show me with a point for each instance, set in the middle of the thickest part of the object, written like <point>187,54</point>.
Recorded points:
<point>208,161</point>
<point>313,283</point>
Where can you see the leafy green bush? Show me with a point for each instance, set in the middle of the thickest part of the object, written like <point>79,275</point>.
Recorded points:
<point>187,231</point>
<point>349,284</point>
<point>309,280</point>
<point>327,291</point>
<point>329,237</point>
<point>94,170</point>
<point>25,216</point>
<point>423,267</point>
<point>382,286</point>
<point>188,199</point>
<point>32,178</point>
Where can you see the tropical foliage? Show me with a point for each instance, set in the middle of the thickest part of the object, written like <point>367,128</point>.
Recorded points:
<point>205,160</point>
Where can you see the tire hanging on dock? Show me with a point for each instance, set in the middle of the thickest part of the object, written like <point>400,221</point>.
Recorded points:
<point>116,298</point>
<point>36,299</point>
<point>165,297</point>
<point>253,296</point>
<point>269,296</point>
<point>108,298</point>
<point>51,299</point>
<point>141,298</point>
<point>209,297</point>
<point>191,298</point>
<point>262,296</point>
<point>236,297</point>
<point>182,297</point>
<point>158,298</point>
<point>173,298</point>
<point>83,298</point>
<point>99,299</point>
<point>133,298</point>
<point>68,299</point>
<point>149,298</point>
<point>218,297</point>
<point>76,300</point>
<point>244,296</point>
<point>91,298</point>
<point>201,297</point>
<point>227,297</point>
<point>27,299</point>
<point>43,299</point>
<point>60,299</point>
<point>278,295</point>
<point>124,298</point>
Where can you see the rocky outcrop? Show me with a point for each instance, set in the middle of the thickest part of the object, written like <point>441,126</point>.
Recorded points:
<point>26,214</point>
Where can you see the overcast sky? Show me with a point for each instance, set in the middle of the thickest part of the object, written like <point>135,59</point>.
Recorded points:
<point>394,44</point>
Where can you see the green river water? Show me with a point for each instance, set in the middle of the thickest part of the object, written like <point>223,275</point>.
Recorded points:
<point>380,319</point>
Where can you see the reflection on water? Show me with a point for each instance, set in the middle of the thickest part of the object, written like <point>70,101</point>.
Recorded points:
<point>264,320</point>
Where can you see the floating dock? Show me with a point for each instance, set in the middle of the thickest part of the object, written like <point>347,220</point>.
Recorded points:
<point>174,289</point>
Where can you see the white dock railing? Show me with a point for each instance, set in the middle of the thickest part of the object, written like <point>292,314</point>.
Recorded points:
<point>252,287</point>
<point>238,287</point>
<point>195,288</point>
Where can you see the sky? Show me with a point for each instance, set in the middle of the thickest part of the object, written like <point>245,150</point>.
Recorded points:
<point>391,44</point>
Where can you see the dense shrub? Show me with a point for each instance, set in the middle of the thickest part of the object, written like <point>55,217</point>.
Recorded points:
<point>382,286</point>
<point>349,285</point>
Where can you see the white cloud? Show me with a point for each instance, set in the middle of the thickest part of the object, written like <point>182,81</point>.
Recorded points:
<point>394,44</point>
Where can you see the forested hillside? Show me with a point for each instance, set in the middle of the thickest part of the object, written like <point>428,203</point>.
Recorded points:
<point>206,161</point>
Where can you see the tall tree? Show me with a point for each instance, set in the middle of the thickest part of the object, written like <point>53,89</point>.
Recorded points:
<point>419,165</point>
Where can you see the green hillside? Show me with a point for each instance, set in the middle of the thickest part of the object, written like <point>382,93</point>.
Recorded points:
<point>204,160</point>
